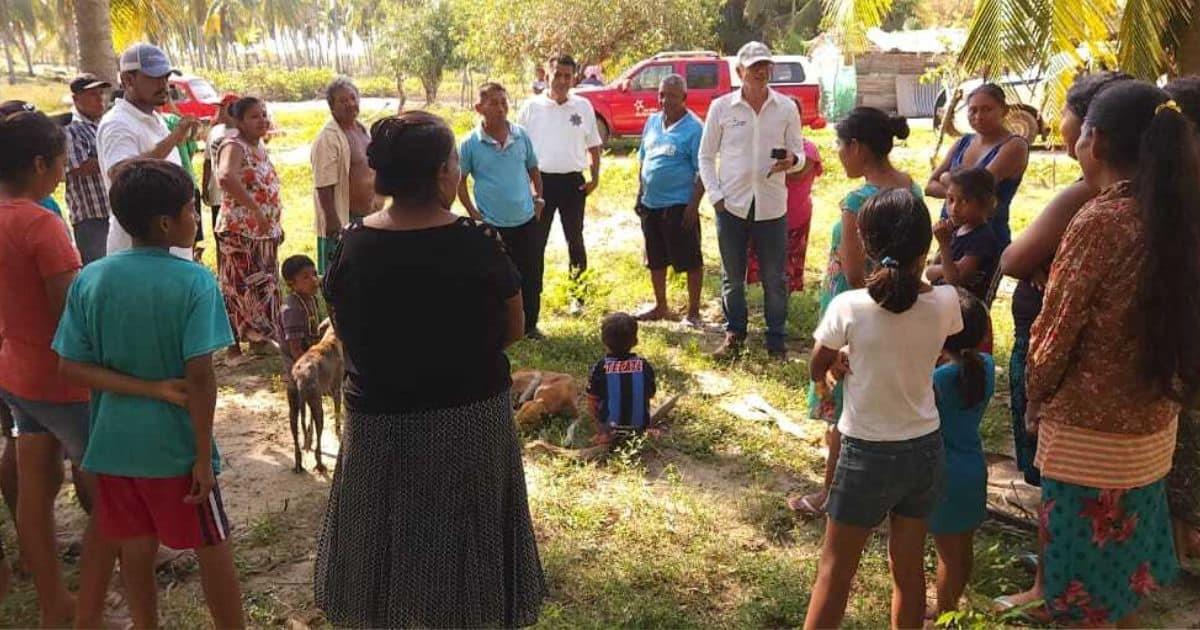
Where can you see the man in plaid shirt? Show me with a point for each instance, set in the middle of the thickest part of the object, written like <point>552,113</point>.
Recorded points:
<point>86,196</point>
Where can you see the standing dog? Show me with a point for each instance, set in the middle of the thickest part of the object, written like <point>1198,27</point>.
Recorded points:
<point>317,372</point>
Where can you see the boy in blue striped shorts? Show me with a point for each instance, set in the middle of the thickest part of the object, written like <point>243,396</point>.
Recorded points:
<point>621,384</point>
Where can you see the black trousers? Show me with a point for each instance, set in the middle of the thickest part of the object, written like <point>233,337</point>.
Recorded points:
<point>562,193</point>
<point>526,247</point>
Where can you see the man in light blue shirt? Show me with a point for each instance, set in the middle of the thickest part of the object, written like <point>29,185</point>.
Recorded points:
<point>668,201</point>
<point>499,157</point>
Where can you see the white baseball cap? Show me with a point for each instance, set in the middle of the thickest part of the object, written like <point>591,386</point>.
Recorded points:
<point>148,59</point>
<point>752,53</point>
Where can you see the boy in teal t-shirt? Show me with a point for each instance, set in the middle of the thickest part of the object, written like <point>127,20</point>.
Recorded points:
<point>140,328</point>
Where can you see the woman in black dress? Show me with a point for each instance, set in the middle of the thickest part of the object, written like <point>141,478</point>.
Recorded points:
<point>428,523</point>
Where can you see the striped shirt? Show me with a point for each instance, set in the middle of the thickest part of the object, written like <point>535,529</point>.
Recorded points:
<point>86,196</point>
<point>623,386</point>
<point>1095,459</point>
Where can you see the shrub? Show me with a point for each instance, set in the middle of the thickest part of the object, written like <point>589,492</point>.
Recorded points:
<point>301,84</point>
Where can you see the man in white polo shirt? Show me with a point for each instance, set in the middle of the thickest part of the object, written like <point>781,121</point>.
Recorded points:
<point>755,131</point>
<point>132,128</point>
<point>563,129</point>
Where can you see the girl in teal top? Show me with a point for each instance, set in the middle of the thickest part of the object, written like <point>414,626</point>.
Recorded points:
<point>865,140</point>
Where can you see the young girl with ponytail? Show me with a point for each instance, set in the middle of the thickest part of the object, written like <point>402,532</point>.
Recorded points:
<point>963,386</point>
<point>1114,352</point>
<point>892,459</point>
<point>865,139</point>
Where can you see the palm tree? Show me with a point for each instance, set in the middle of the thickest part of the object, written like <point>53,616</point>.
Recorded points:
<point>93,24</point>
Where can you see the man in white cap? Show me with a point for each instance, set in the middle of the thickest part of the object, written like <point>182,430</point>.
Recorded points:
<point>132,128</point>
<point>755,131</point>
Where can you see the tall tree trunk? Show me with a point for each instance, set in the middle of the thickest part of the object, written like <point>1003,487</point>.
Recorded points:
<point>23,45</point>
<point>65,8</point>
<point>6,39</point>
<point>8,60</point>
<point>93,27</point>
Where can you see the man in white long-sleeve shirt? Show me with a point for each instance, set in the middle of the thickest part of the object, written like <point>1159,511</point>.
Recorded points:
<point>751,137</point>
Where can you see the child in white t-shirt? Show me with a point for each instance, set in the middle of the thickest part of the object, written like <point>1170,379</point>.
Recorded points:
<point>892,457</point>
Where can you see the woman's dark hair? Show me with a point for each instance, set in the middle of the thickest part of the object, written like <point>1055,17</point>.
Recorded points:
<point>1185,91</point>
<point>896,232</point>
<point>26,134</point>
<point>145,188</point>
<point>964,347</point>
<point>294,265</point>
<point>1087,86</point>
<point>992,91</point>
<point>618,332</point>
<point>242,106</point>
<point>1143,130</point>
<point>406,152</point>
<point>976,182</point>
<point>873,128</point>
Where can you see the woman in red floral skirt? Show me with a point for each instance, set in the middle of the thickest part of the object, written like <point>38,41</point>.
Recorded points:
<point>249,230</point>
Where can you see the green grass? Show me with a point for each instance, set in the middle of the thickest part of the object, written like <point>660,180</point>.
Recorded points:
<point>687,531</point>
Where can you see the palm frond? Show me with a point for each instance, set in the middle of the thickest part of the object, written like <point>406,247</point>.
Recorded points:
<point>1145,37</point>
<point>849,21</point>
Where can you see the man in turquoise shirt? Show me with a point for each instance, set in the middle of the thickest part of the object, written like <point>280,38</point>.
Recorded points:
<point>499,157</point>
<point>668,201</point>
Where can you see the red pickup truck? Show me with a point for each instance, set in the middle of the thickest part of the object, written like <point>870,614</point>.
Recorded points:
<point>623,106</point>
<point>193,96</point>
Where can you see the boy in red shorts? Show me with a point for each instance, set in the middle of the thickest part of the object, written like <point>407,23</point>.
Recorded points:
<point>139,328</point>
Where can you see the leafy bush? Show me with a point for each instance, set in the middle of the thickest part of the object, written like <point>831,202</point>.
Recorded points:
<point>383,87</point>
<point>301,84</point>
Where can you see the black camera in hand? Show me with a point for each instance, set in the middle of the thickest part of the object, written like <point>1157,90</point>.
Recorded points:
<point>778,154</point>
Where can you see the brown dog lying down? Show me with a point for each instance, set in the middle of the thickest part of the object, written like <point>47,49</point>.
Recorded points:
<point>541,394</point>
<point>317,372</point>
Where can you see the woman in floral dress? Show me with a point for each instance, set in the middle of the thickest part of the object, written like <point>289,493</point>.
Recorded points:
<point>1114,350</point>
<point>249,230</point>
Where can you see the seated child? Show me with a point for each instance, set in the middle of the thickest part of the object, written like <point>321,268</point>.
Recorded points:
<point>969,250</point>
<point>299,318</point>
<point>963,386</point>
<point>140,328</point>
<point>621,384</point>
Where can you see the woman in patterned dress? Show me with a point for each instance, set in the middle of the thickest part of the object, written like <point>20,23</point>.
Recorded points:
<point>248,230</point>
<point>1113,352</point>
<point>427,523</point>
<point>865,140</point>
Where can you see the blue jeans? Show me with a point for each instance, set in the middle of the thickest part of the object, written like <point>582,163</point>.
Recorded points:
<point>770,243</point>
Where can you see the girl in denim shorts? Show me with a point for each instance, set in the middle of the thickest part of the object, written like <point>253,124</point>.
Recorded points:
<point>892,458</point>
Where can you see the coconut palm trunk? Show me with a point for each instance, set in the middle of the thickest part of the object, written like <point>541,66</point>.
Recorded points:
<point>93,25</point>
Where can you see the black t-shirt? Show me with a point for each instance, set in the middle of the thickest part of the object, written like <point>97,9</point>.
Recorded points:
<point>421,315</point>
<point>1026,304</point>
<point>984,245</point>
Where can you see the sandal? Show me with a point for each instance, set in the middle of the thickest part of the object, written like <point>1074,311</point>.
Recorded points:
<point>805,507</point>
<point>652,314</point>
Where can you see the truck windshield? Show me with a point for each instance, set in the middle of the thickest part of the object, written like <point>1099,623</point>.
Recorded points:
<point>788,72</point>
<point>203,90</point>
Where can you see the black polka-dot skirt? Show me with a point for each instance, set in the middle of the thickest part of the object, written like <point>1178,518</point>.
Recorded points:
<point>428,524</point>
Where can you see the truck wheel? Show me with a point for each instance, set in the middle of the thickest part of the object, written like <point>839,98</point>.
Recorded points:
<point>1024,123</point>
<point>602,127</point>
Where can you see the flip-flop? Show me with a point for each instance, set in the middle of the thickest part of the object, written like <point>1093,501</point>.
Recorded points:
<point>804,507</point>
<point>1032,613</point>
<point>652,314</point>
